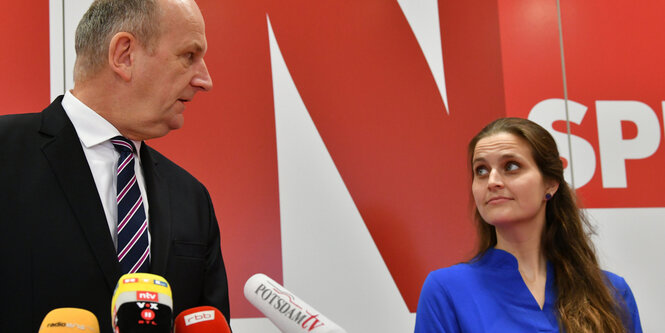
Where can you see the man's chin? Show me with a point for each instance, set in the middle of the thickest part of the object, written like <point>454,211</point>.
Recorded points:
<point>176,122</point>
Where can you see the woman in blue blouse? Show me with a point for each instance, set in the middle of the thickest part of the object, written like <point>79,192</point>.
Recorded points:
<point>535,269</point>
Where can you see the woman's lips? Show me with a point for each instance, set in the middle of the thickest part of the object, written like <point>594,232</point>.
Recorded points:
<point>497,200</point>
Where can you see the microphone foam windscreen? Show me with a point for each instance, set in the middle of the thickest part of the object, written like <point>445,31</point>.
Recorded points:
<point>69,320</point>
<point>202,319</point>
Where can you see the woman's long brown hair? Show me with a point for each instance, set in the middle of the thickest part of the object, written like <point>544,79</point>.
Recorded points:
<point>585,302</point>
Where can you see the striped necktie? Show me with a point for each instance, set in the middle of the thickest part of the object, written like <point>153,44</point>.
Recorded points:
<point>133,247</point>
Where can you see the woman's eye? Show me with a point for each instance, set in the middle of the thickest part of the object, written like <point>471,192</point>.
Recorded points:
<point>481,171</point>
<point>512,166</point>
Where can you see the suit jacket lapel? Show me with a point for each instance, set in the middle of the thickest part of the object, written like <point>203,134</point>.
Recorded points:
<point>62,149</point>
<point>160,211</point>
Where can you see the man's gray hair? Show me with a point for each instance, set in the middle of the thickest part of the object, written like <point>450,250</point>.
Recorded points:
<point>102,21</point>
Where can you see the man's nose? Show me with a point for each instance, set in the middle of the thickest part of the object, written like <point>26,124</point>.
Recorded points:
<point>202,79</point>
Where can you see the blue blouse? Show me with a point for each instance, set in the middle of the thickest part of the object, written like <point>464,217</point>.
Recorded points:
<point>489,295</point>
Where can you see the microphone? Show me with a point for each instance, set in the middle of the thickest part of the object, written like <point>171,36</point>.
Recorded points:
<point>288,312</point>
<point>69,320</point>
<point>142,303</point>
<point>201,319</point>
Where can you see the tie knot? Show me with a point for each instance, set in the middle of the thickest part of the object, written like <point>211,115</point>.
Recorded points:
<point>122,144</point>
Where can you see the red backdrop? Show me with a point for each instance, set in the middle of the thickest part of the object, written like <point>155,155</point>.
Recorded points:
<point>368,88</point>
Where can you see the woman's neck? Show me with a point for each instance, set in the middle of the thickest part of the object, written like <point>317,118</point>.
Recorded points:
<point>525,245</point>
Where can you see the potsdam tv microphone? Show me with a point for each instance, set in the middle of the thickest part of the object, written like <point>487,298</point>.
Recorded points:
<point>288,312</point>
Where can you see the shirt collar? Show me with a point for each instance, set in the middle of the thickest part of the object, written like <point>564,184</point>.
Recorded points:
<point>502,263</point>
<point>92,129</point>
<point>496,258</point>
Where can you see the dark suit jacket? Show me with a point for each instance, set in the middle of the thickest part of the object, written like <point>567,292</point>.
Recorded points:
<point>55,245</point>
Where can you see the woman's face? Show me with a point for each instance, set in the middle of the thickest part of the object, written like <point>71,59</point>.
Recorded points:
<point>508,187</point>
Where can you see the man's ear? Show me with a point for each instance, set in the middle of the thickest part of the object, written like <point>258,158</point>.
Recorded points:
<point>121,54</point>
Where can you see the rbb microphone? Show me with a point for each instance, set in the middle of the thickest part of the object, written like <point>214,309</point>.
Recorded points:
<point>289,313</point>
<point>69,320</point>
<point>202,319</point>
<point>142,303</point>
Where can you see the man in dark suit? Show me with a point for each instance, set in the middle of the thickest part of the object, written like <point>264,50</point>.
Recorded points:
<point>138,63</point>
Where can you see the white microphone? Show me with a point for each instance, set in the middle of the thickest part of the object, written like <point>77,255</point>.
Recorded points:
<point>288,312</point>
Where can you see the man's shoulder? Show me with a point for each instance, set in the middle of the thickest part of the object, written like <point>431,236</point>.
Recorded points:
<point>15,128</point>
<point>28,123</point>
<point>169,168</point>
<point>10,121</point>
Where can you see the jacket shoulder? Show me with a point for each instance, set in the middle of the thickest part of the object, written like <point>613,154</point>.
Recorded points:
<point>12,123</point>
<point>170,169</point>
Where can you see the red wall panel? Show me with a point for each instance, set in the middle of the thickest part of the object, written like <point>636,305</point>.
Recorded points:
<point>24,61</point>
<point>614,51</point>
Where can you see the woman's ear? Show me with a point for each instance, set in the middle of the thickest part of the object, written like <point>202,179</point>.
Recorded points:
<point>550,188</point>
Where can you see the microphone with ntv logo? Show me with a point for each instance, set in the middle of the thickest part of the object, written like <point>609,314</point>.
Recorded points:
<point>142,303</point>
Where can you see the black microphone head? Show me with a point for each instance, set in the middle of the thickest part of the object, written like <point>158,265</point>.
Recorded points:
<point>143,317</point>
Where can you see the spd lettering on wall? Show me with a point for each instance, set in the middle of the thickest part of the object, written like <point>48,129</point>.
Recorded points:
<point>615,92</point>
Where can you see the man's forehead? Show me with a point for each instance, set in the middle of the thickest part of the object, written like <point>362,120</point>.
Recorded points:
<point>181,15</point>
<point>180,8</point>
<point>183,18</point>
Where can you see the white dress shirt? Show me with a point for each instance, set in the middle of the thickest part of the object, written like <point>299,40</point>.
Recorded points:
<point>95,133</point>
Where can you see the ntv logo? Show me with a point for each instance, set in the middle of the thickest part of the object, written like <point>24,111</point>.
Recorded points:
<point>147,296</point>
